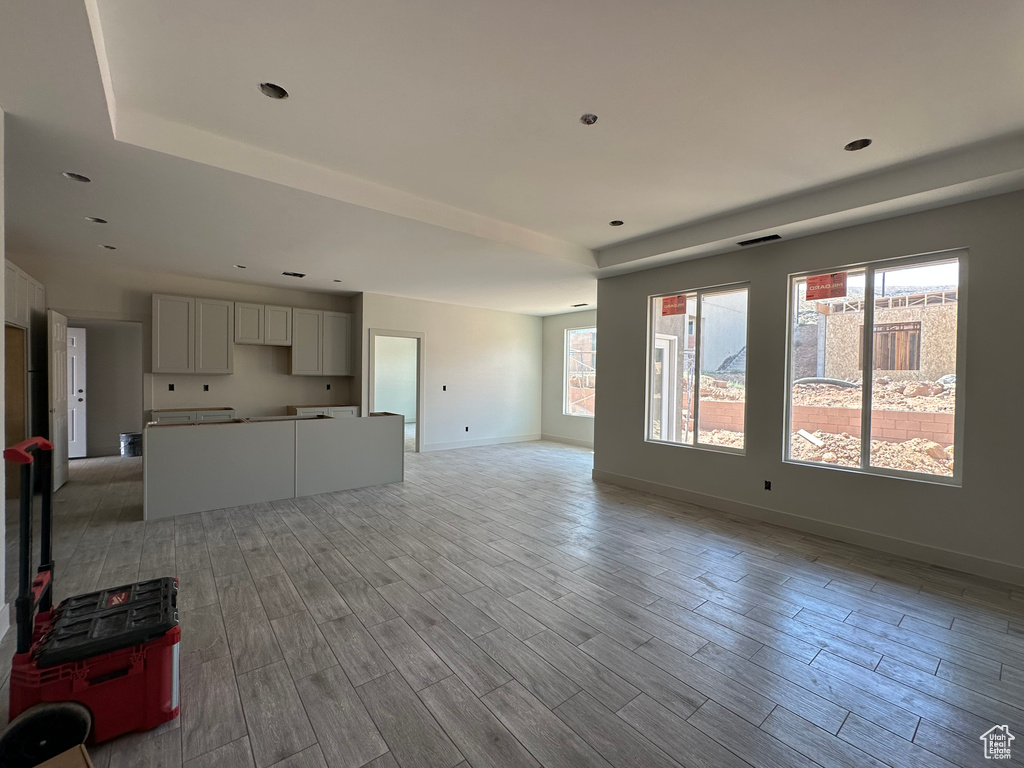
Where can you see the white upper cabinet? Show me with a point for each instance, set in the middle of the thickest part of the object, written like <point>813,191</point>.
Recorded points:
<point>249,323</point>
<point>263,324</point>
<point>337,344</point>
<point>277,326</point>
<point>321,343</point>
<point>192,335</point>
<point>20,296</point>
<point>215,326</point>
<point>174,334</point>
<point>307,342</point>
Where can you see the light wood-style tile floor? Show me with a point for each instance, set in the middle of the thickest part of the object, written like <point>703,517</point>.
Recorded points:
<point>498,608</point>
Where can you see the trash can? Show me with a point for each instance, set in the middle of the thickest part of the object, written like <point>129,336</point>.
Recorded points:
<point>131,443</point>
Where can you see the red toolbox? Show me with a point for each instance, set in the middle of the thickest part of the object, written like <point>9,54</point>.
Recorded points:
<point>103,663</point>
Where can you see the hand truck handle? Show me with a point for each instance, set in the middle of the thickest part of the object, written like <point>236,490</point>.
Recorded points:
<point>41,590</point>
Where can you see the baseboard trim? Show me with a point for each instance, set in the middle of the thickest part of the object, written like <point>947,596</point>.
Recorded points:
<point>960,561</point>
<point>568,441</point>
<point>476,443</point>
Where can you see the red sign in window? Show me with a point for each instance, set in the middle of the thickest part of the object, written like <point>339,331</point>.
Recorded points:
<point>831,286</point>
<point>673,305</point>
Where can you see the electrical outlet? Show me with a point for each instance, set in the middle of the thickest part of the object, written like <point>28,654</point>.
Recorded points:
<point>467,429</point>
<point>767,485</point>
<point>328,387</point>
<point>170,387</point>
<point>444,387</point>
<point>206,387</point>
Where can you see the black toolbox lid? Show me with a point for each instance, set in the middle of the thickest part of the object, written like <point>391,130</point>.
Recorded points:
<point>108,620</point>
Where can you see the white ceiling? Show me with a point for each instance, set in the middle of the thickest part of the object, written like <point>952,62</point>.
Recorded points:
<point>434,150</point>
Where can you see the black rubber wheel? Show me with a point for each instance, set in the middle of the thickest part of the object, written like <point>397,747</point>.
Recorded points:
<point>44,731</point>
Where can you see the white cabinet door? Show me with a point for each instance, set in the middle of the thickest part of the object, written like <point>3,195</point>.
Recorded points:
<point>344,412</point>
<point>214,416</point>
<point>215,327</point>
<point>307,341</point>
<point>311,411</point>
<point>174,335</point>
<point>277,326</point>
<point>337,357</point>
<point>10,293</point>
<point>248,323</point>
<point>26,293</point>
<point>175,417</point>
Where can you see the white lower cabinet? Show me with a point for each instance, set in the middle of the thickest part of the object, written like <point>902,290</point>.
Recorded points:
<point>193,417</point>
<point>334,411</point>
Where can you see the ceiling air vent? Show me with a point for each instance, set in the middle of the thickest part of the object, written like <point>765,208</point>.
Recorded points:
<point>294,274</point>
<point>756,240</point>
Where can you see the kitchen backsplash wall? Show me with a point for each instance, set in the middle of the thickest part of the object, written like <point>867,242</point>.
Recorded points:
<point>260,386</point>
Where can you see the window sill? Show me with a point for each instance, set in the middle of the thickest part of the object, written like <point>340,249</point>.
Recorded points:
<point>579,415</point>
<point>893,474</point>
<point>700,447</point>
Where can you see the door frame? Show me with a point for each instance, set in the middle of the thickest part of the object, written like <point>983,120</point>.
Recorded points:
<point>83,424</point>
<point>374,333</point>
<point>669,376</point>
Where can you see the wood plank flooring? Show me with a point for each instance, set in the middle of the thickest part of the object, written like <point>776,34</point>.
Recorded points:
<point>499,608</point>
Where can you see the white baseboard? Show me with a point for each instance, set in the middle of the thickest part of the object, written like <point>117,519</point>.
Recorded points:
<point>568,441</point>
<point>482,441</point>
<point>960,561</point>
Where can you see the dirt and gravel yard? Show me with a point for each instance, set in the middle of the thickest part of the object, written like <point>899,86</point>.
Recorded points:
<point>903,395</point>
<point>915,455</point>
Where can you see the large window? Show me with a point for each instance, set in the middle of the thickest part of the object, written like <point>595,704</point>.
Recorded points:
<point>580,371</point>
<point>873,363</point>
<point>697,368</point>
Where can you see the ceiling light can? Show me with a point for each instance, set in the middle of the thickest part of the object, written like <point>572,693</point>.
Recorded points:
<point>95,220</point>
<point>109,247</point>
<point>588,118</point>
<point>615,223</point>
<point>76,177</point>
<point>853,146</point>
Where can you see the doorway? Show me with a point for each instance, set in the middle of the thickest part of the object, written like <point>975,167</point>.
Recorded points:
<point>396,373</point>
<point>77,423</point>
<point>15,399</point>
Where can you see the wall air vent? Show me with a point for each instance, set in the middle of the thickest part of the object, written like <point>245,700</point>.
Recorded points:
<point>294,274</point>
<point>756,240</point>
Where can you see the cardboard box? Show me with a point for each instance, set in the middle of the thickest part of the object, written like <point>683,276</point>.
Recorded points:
<point>76,757</point>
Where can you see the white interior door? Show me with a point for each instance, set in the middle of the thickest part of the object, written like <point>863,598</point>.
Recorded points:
<point>57,348</point>
<point>76,393</point>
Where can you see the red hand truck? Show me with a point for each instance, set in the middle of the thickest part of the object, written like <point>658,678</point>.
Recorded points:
<point>96,666</point>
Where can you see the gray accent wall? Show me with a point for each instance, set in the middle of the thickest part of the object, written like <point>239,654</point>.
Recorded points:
<point>978,527</point>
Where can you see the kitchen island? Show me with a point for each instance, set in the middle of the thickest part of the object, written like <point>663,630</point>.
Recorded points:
<point>204,466</point>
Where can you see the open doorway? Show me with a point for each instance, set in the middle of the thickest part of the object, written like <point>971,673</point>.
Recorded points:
<point>396,372</point>
<point>112,383</point>
<point>77,429</point>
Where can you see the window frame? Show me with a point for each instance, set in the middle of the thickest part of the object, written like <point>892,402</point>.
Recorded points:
<point>565,371</point>
<point>867,365</point>
<point>697,351</point>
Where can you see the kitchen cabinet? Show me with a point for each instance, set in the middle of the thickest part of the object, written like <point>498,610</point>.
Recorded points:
<point>321,343</point>
<point>192,335</point>
<point>199,415</point>
<point>263,324</point>
<point>22,295</point>
<point>334,411</point>
<point>307,342</point>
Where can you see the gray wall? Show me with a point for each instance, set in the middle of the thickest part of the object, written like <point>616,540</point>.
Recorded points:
<point>576,430</point>
<point>394,380</point>
<point>113,377</point>
<point>978,527</point>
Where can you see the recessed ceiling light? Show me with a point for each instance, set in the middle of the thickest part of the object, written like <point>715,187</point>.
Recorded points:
<point>294,274</point>
<point>580,305</point>
<point>273,91</point>
<point>109,247</point>
<point>615,223</point>
<point>95,219</point>
<point>337,281</point>
<point>853,146</point>
<point>240,266</point>
<point>75,176</point>
<point>588,118</point>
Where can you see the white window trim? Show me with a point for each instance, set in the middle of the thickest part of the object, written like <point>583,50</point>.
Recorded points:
<point>565,370</point>
<point>651,335</point>
<point>869,268</point>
